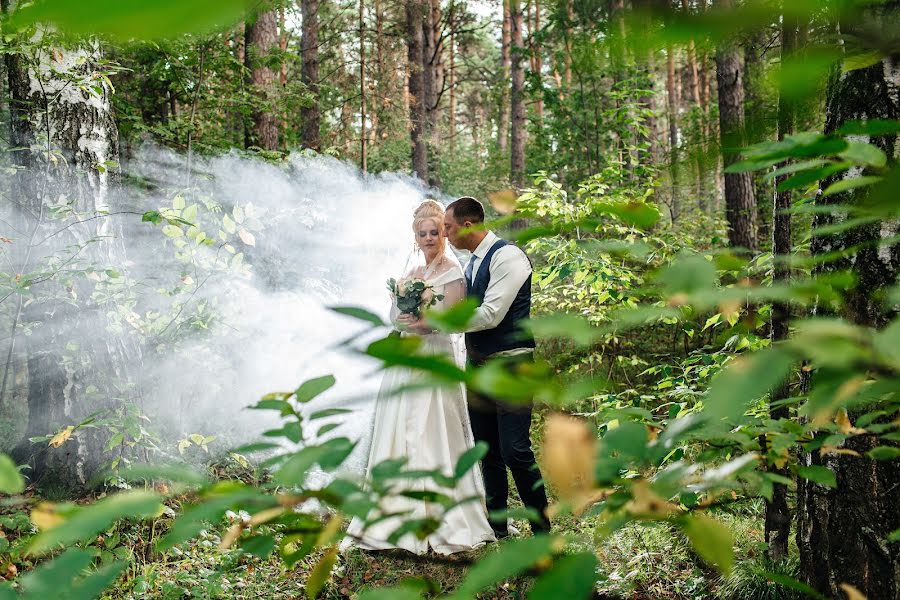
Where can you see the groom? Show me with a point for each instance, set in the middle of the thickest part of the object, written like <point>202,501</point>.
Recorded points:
<point>499,276</point>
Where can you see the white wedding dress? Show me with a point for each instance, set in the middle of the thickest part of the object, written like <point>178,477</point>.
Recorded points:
<point>429,427</point>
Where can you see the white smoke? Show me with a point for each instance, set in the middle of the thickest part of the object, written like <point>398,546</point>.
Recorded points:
<point>324,234</point>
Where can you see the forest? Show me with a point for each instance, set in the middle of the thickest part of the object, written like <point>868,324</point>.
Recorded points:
<point>202,200</point>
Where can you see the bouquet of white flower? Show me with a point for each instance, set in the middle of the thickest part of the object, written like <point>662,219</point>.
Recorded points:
<point>412,295</point>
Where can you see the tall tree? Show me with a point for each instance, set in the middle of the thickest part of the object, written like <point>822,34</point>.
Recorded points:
<point>505,72</point>
<point>414,65</point>
<point>740,202</point>
<point>517,95</point>
<point>778,514</point>
<point>64,134</point>
<point>262,38</point>
<point>843,532</point>
<point>310,120</point>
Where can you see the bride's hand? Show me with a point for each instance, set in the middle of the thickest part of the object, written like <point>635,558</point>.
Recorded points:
<point>414,324</point>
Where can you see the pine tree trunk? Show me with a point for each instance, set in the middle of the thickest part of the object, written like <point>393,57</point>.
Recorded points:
<point>505,71</point>
<point>537,61</point>
<point>262,38</point>
<point>778,514</point>
<point>842,532</point>
<point>415,61</point>
<point>517,95</point>
<point>54,117</point>
<point>310,120</point>
<point>740,203</point>
<point>433,73</point>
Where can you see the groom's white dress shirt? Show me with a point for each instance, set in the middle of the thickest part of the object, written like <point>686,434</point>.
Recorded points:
<point>509,269</point>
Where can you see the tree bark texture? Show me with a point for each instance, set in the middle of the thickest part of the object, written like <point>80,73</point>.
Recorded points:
<point>64,128</point>
<point>262,38</point>
<point>415,62</point>
<point>842,532</point>
<point>517,95</point>
<point>505,70</point>
<point>778,514</point>
<point>740,203</point>
<point>310,120</point>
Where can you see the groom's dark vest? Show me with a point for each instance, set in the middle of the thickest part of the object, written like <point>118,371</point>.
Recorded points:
<point>509,333</point>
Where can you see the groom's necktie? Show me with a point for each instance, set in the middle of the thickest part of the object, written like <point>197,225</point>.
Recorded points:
<point>469,268</point>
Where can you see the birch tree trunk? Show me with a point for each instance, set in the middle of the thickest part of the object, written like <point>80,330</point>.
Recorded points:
<point>66,137</point>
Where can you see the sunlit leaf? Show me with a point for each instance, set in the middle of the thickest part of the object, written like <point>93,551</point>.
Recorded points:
<point>320,573</point>
<point>11,481</point>
<point>92,519</point>
<point>818,474</point>
<point>850,183</point>
<point>711,539</point>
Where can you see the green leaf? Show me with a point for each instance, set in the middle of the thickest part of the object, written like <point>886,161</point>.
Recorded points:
<point>152,216</point>
<point>359,313</point>
<point>711,540</point>
<point>329,412</point>
<point>884,453</point>
<point>510,559</point>
<point>391,593</point>
<point>174,473</point>
<point>328,455</point>
<point>284,408</point>
<point>745,380</point>
<point>454,318</point>
<point>818,474</point>
<point>807,178</point>
<point>172,231</point>
<point>313,387</point>
<point>259,545</point>
<point>92,519</point>
<point>887,342</point>
<point>572,577</point>
<point>566,326</point>
<point>793,584</point>
<point>873,127</point>
<point>469,459</point>
<point>126,20</point>
<point>894,536</point>
<point>628,440</point>
<point>864,154</point>
<point>862,60</point>
<point>222,497</point>
<point>320,574</point>
<point>11,481</point>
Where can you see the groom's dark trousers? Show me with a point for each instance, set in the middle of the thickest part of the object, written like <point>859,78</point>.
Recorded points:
<point>505,428</point>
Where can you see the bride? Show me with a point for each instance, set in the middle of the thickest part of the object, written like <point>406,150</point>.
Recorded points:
<point>427,426</point>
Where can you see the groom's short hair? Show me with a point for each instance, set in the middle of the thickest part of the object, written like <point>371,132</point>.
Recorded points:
<point>467,208</point>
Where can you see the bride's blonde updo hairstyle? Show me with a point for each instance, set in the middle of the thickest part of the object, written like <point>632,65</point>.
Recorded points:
<point>430,209</point>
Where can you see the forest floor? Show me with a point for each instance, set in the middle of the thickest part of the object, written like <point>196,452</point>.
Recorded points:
<point>639,562</point>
